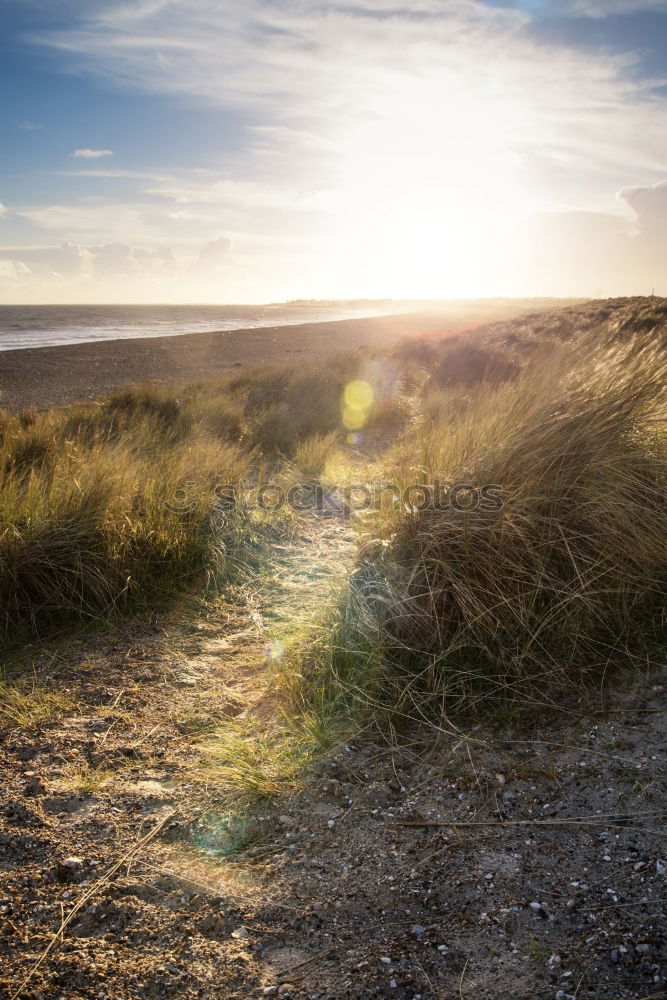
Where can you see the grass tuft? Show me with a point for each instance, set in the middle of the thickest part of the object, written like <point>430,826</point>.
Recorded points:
<point>450,609</point>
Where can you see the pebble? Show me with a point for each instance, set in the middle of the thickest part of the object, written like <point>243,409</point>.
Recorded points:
<point>73,862</point>
<point>241,933</point>
<point>385,960</point>
<point>417,930</point>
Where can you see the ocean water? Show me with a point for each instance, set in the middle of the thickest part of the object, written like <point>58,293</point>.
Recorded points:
<point>42,326</point>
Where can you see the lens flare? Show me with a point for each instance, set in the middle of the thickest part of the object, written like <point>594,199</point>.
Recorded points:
<point>357,402</point>
<point>358,394</point>
<point>275,650</point>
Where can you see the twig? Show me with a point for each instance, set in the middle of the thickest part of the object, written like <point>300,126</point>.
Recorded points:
<point>58,936</point>
<point>120,695</point>
<point>622,711</point>
<point>461,980</point>
<point>567,821</point>
<point>300,965</point>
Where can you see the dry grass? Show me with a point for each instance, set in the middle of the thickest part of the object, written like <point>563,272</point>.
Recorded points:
<point>312,454</point>
<point>88,780</point>
<point>24,708</point>
<point>449,609</point>
<point>111,508</point>
<point>103,529</point>
<point>260,765</point>
<point>445,607</point>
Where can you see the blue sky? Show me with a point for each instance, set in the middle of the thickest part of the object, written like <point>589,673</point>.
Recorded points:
<point>254,150</point>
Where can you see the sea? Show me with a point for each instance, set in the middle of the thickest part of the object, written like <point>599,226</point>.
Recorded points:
<point>48,326</point>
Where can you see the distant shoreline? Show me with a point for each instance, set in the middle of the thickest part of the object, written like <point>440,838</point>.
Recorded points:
<point>53,376</point>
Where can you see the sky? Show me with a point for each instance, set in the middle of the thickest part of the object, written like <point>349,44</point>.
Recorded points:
<point>231,151</point>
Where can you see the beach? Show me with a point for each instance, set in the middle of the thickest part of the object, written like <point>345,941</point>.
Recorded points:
<point>52,376</point>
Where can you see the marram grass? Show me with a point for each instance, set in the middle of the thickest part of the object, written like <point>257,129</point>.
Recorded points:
<point>111,508</point>
<point>444,608</point>
<point>450,609</point>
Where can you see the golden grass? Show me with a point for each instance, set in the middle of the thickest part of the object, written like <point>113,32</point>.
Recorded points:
<point>445,608</point>
<point>21,708</point>
<point>449,609</point>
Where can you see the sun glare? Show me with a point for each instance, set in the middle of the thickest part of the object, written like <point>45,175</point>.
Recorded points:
<point>357,403</point>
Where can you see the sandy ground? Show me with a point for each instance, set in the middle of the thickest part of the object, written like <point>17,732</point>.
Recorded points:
<point>48,376</point>
<point>474,864</point>
<point>345,891</point>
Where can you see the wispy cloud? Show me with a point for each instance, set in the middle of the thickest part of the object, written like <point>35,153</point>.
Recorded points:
<point>436,74</point>
<point>3,211</point>
<point>607,8</point>
<point>28,126</point>
<point>393,144</point>
<point>140,175</point>
<point>91,217</point>
<point>91,154</point>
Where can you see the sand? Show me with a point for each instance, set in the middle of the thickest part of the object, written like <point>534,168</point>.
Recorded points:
<point>50,376</point>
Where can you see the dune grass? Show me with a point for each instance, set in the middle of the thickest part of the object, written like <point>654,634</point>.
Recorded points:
<point>112,508</point>
<point>455,606</point>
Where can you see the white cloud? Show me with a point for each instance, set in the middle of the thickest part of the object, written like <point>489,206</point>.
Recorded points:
<point>650,206</point>
<point>94,270</point>
<point>644,252</point>
<point>214,253</point>
<point>28,126</point>
<point>91,154</point>
<point>386,150</point>
<point>333,73</point>
<point>3,211</point>
<point>13,272</point>
<point>139,175</point>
